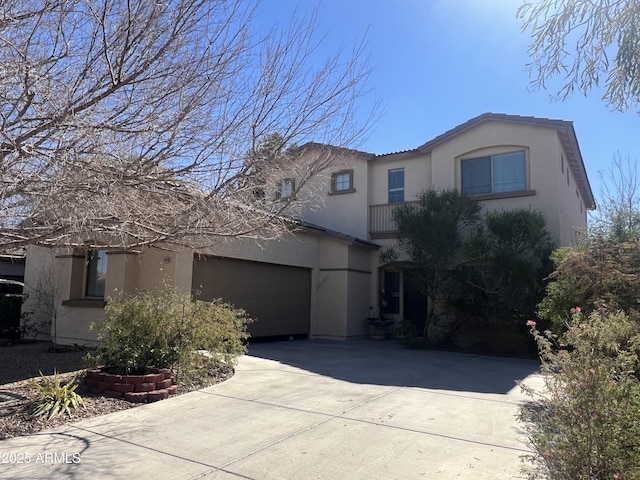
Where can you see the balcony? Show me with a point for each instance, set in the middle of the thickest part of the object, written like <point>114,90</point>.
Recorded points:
<point>381,223</point>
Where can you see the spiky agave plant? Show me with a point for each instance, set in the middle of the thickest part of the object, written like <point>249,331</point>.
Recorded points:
<point>54,398</point>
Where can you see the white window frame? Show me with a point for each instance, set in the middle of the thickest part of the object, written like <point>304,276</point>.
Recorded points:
<point>286,189</point>
<point>395,191</point>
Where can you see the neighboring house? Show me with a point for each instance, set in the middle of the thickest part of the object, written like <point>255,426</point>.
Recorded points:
<point>326,279</point>
<point>12,264</point>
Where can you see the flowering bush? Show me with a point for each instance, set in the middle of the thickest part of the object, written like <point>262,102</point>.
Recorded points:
<point>586,423</point>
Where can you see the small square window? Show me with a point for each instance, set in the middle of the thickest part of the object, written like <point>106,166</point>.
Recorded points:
<point>286,189</point>
<point>342,182</point>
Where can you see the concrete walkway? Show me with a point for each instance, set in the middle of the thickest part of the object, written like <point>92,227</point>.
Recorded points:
<point>306,410</point>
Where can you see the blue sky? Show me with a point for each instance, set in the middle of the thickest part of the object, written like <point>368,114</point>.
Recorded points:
<point>438,63</point>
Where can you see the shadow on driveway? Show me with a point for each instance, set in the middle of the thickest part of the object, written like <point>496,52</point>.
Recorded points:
<point>385,363</point>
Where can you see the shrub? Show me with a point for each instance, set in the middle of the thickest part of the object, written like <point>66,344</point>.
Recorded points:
<point>507,262</point>
<point>586,422</point>
<point>406,333</point>
<point>598,273</point>
<point>53,397</point>
<point>168,330</point>
<point>430,233</point>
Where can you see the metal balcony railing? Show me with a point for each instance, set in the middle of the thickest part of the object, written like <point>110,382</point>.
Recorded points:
<point>381,224</point>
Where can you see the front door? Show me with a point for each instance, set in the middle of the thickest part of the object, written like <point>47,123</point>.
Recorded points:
<point>399,298</point>
<point>413,302</point>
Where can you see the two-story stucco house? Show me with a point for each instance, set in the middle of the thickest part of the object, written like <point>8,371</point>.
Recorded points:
<point>325,279</point>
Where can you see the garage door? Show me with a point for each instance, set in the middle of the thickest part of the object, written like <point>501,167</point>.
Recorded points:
<point>278,296</point>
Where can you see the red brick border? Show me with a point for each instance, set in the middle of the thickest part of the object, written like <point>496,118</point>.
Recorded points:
<point>150,387</point>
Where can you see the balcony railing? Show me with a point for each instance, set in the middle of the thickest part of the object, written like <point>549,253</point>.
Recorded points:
<point>381,224</point>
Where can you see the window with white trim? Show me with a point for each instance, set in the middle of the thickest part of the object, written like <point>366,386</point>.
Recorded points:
<point>96,274</point>
<point>498,173</point>
<point>396,185</point>
<point>286,189</point>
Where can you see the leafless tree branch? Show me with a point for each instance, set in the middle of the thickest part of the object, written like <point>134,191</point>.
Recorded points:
<point>132,123</point>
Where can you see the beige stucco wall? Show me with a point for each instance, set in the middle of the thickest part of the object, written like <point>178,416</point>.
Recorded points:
<point>41,287</point>
<point>361,302</point>
<point>440,168</point>
<point>543,169</point>
<point>331,290</point>
<point>343,290</point>
<point>55,276</point>
<point>571,210</point>
<point>417,176</point>
<point>341,212</point>
<point>299,250</point>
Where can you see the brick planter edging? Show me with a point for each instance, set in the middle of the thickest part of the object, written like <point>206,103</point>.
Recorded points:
<point>150,387</point>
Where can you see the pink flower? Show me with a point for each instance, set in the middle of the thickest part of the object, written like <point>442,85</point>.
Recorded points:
<point>576,310</point>
<point>546,454</point>
<point>531,323</point>
<point>617,476</point>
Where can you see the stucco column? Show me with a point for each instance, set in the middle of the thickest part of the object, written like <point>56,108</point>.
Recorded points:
<point>122,273</point>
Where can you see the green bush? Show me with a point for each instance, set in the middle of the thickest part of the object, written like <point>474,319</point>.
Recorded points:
<point>586,422</point>
<point>506,266</point>
<point>168,330</point>
<point>54,398</point>
<point>598,273</point>
<point>406,333</point>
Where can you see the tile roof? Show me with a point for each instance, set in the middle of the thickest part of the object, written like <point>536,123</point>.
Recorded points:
<point>565,131</point>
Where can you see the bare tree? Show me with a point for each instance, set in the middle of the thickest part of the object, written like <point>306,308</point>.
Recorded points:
<point>589,44</point>
<point>128,123</point>
<point>618,215</point>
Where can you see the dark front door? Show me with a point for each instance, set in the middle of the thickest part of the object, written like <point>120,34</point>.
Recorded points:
<point>415,305</point>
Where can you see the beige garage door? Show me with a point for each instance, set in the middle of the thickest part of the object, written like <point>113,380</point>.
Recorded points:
<point>278,296</point>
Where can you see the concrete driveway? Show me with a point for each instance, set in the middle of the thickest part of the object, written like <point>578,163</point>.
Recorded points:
<point>306,410</point>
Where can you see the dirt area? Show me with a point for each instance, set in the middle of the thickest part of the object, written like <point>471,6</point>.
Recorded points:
<point>20,365</point>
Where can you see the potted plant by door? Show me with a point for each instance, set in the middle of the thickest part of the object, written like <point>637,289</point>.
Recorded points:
<point>380,328</point>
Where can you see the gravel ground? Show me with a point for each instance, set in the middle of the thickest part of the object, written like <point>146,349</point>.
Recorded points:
<point>21,363</point>
<point>25,360</point>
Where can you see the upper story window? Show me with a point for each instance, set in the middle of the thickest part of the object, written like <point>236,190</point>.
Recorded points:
<point>286,189</point>
<point>396,185</point>
<point>96,273</point>
<point>503,172</point>
<point>342,182</point>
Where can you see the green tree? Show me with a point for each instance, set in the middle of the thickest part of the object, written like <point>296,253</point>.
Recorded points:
<point>430,233</point>
<point>589,44</point>
<point>506,264</point>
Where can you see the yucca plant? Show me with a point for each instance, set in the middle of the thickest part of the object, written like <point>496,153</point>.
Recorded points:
<point>54,398</point>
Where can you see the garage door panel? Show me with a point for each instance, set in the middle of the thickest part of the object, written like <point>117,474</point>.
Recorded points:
<point>278,296</point>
